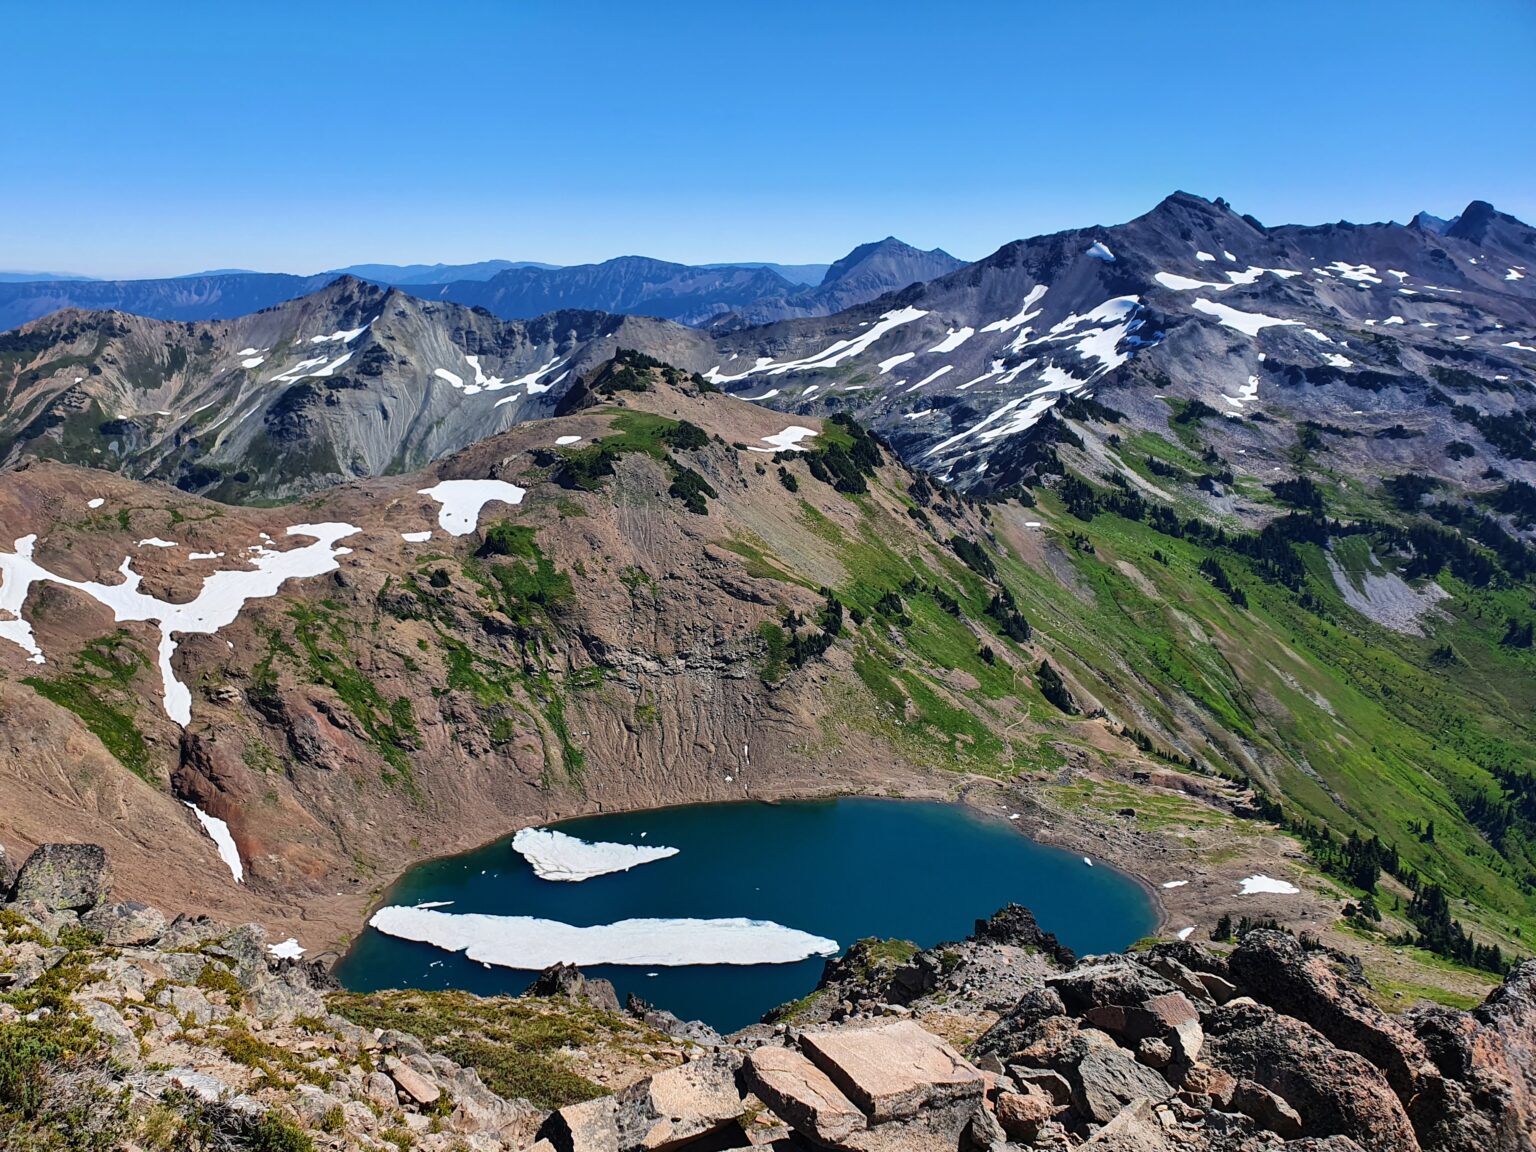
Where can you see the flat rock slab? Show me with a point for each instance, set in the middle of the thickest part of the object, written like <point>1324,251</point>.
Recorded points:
<point>802,1094</point>
<point>893,1070</point>
<point>412,1082</point>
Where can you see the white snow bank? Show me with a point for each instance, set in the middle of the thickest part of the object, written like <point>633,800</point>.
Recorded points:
<point>218,832</point>
<point>953,338</point>
<point>156,542</point>
<point>1184,932</point>
<point>1249,323</point>
<point>1186,283</point>
<point>789,439</point>
<point>96,503</point>
<point>1100,251</point>
<point>1175,883</point>
<point>829,357</point>
<point>217,604</point>
<point>900,358</point>
<point>289,949</point>
<point>556,856</point>
<point>416,537</point>
<point>462,500</point>
<point>345,337</point>
<point>1204,257</point>
<point>1023,315</point>
<point>532,944</point>
<point>1256,884</point>
<point>562,441</point>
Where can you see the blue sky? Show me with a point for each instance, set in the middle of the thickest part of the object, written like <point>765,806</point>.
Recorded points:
<point>161,138</point>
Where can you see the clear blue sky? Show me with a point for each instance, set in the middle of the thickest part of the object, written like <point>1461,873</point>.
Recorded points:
<point>157,138</point>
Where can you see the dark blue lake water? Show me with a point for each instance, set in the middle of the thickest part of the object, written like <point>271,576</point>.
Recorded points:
<point>843,869</point>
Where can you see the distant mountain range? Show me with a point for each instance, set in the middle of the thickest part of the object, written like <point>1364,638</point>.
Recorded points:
<point>717,293</point>
<point>1191,307</point>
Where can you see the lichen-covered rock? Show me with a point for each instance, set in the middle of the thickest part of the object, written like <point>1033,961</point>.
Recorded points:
<point>69,877</point>
<point>125,923</point>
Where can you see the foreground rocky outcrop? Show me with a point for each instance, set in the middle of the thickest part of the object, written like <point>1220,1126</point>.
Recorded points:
<point>121,1028</point>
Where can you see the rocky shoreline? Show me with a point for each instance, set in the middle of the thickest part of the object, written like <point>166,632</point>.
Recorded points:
<point>120,1028</point>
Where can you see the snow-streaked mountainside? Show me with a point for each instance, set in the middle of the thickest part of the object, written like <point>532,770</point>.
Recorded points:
<point>1360,327</point>
<point>512,290</point>
<point>353,380</point>
<point>1411,346</point>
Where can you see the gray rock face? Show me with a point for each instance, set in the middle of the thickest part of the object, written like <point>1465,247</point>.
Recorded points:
<point>125,924</point>
<point>569,982</point>
<point>1108,1079</point>
<point>71,877</point>
<point>668,1110</point>
<point>7,874</point>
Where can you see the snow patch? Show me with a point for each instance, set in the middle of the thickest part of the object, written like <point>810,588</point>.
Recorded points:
<point>416,537</point>
<point>1175,883</point>
<point>96,503</point>
<point>218,832</point>
<point>556,856</point>
<point>1249,323</point>
<point>1253,885</point>
<point>953,339</point>
<point>1100,251</point>
<point>156,542</point>
<point>1205,257</point>
<point>462,500</point>
<point>887,364</point>
<point>789,439</point>
<point>562,441</point>
<point>289,949</point>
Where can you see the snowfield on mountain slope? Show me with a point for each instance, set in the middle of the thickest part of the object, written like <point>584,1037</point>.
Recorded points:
<point>218,604</point>
<point>462,501</point>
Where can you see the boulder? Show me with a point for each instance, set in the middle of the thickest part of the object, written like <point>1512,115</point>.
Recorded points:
<point>1022,1115</point>
<point>1134,1128</point>
<point>1021,1025</point>
<point>1053,1084</point>
<point>412,1083</point>
<point>1275,969</point>
<point>70,877</point>
<point>1015,925</point>
<point>802,1094</point>
<point>894,1070</point>
<point>7,875</point>
<point>1116,982</point>
<point>668,1110</point>
<point>125,924</point>
<point>1263,1107</point>
<point>1108,1079</point>
<point>569,982</point>
<point>1335,1092</point>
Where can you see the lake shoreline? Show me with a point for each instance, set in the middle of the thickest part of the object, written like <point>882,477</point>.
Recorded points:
<point>984,794</point>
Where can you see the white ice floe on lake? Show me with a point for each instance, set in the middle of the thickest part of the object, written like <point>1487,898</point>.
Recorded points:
<point>96,503</point>
<point>1175,883</point>
<point>217,604</point>
<point>1088,860</point>
<point>156,542</point>
<point>218,832</point>
<point>1253,885</point>
<point>434,904</point>
<point>289,949</point>
<point>1100,251</point>
<point>1248,323</point>
<point>462,500</point>
<point>532,944</point>
<point>557,856</point>
<point>417,537</point>
<point>953,338</point>
<point>562,441</point>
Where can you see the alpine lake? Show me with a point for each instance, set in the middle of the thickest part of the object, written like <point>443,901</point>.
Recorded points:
<point>844,869</point>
